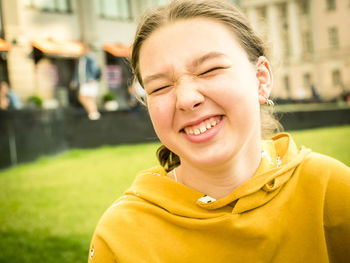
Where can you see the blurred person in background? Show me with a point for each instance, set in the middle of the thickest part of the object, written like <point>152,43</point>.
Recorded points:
<point>86,76</point>
<point>225,190</point>
<point>315,94</point>
<point>8,99</point>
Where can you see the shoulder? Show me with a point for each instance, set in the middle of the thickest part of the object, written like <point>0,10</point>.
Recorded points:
<point>121,220</point>
<point>325,172</point>
<point>320,164</point>
<point>321,175</point>
<point>121,212</point>
<point>122,226</point>
<point>336,209</point>
<point>116,231</point>
<point>131,203</point>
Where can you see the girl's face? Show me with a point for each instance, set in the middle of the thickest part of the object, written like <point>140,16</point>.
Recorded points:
<point>202,91</point>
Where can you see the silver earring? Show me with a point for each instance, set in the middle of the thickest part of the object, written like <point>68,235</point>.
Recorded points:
<point>269,102</point>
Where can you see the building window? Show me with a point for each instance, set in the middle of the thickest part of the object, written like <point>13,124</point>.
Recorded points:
<point>336,77</point>
<point>307,42</point>
<point>331,4</point>
<point>287,86</point>
<point>304,7</point>
<point>114,9</point>
<point>307,79</point>
<point>2,33</point>
<point>286,45</point>
<point>159,2</point>
<point>283,10</point>
<point>333,38</point>
<point>60,6</point>
<point>262,12</point>
<point>234,2</point>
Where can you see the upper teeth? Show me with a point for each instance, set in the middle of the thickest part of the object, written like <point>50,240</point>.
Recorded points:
<point>202,127</point>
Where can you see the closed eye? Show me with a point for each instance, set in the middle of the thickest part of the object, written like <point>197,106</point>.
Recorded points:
<point>210,70</point>
<point>159,89</point>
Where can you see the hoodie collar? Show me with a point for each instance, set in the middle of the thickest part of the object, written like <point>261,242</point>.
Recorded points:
<point>280,157</point>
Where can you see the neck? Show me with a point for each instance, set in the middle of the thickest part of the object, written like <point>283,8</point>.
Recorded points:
<point>220,180</point>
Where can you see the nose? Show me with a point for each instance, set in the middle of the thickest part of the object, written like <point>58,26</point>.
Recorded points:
<point>188,95</point>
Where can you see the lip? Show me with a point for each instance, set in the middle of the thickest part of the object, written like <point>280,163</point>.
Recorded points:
<point>191,123</point>
<point>207,135</point>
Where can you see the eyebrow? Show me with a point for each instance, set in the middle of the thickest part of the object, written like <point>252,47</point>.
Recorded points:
<point>193,64</point>
<point>211,55</point>
<point>153,77</point>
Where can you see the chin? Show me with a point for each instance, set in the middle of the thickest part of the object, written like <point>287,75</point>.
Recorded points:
<point>209,160</point>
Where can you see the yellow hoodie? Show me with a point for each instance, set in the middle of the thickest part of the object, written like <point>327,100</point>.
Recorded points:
<point>296,208</point>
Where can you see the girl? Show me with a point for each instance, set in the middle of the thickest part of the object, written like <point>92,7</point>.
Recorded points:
<point>222,192</point>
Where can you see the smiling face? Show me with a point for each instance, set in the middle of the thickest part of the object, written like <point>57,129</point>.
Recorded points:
<point>202,92</point>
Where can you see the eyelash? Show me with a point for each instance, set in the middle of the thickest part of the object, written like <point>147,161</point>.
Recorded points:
<point>210,70</point>
<point>158,89</point>
<point>201,74</point>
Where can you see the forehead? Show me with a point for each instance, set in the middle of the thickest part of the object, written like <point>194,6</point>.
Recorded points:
<point>186,38</point>
<point>189,30</point>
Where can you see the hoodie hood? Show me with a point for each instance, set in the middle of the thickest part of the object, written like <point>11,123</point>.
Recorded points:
<point>279,159</point>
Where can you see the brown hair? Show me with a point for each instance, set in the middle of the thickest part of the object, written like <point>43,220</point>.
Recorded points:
<point>213,9</point>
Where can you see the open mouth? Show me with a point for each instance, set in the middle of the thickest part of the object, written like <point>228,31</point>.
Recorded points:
<point>203,126</point>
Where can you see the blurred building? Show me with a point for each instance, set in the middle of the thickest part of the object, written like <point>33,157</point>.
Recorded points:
<point>45,38</point>
<point>40,42</point>
<point>309,43</point>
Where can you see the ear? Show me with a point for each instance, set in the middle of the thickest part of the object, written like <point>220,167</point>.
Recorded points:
<point>265,79</point>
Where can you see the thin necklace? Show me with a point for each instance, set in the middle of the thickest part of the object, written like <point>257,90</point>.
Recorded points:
<point>175,177</point>
<point>263,154</point>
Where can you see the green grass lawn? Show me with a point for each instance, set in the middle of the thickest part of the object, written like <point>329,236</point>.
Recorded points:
<point>49,208</point>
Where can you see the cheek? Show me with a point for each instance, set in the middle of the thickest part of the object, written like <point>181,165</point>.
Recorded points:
<point>160,113</point>
<point>233,91</point>
<point>238,97</point>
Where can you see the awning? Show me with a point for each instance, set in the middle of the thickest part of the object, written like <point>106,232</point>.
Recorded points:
<point>118,50</point>
<point>4,46</point>
<point>59,48</point>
